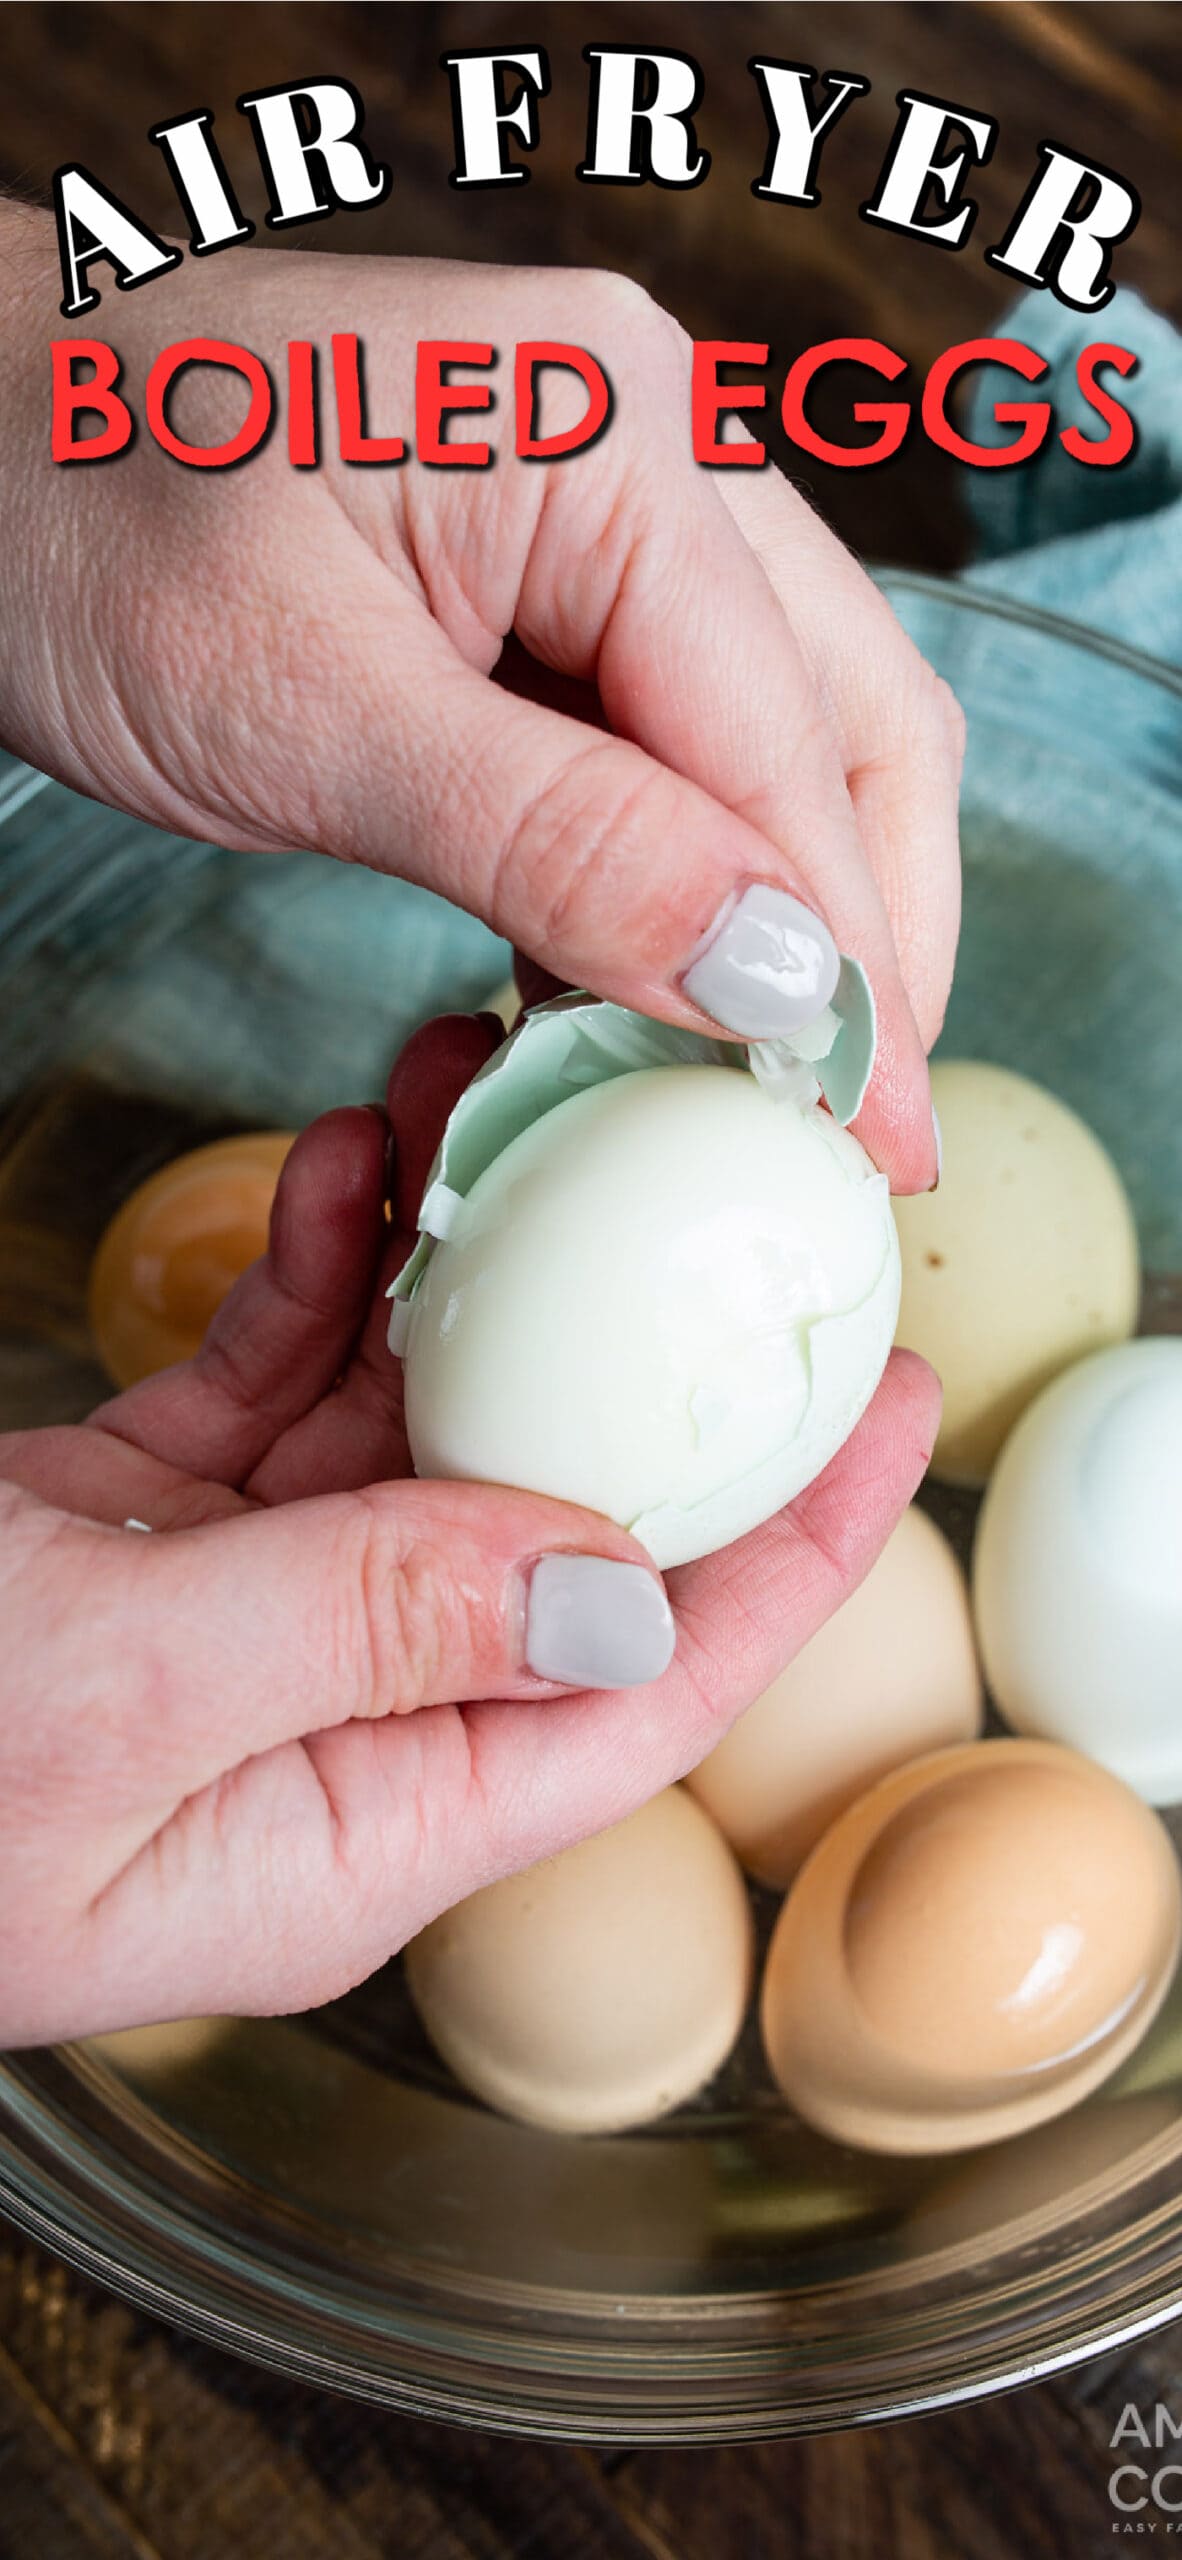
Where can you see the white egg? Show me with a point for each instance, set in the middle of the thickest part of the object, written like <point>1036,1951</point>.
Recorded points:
<point>669,1299</point>
<point>1077,1573</point>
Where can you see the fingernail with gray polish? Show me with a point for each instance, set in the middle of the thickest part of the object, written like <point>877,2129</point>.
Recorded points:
<point>938,1136</point>
<point>768,966</point>
<point>597,1625</point>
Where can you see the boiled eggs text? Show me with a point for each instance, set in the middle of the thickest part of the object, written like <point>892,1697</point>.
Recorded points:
<point>669,1299</point>
<point>977,1943</point>
<point>600,1988</point>
<point>1077,1568</point>
<point>891,1675</point>
<point>176,1247</point>
<point>1024,1259</point>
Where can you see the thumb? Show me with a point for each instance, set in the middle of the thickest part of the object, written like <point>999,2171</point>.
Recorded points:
<point>263,1628</point>
<point>627,864</point>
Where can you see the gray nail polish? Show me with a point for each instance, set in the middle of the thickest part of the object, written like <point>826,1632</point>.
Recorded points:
<point>769,966</point>
<point>938,1136</point>
<point>596,1624</point>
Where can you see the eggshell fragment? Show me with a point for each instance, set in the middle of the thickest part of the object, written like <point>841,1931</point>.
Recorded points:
<point>175,1248</point>
<point>669,1299</point>
<point>1022,1261</point>
<point>1077,1566</point>
<point>977,1942</point>
<point>893,1674</point>
<point>600,1988</point>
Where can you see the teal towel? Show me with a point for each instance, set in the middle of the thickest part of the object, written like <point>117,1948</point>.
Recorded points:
<point>1103,546</point>
<point>253,988</point>
<point>266,989</point>
<point>1070,962</point>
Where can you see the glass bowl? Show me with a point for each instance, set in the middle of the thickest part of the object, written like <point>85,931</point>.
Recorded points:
<point>316,2192</point>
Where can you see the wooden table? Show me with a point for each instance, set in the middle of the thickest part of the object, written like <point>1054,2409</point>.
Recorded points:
<point>85,83</point>
<point>117,2439</point>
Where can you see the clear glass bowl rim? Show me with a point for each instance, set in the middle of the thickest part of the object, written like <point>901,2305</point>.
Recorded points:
<point>681,2371</point>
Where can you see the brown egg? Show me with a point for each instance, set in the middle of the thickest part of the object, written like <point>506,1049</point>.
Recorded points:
<point>176,1247</point>
<point>891,1675</point>
<point>601,1987</point>
<point>978,1941</point>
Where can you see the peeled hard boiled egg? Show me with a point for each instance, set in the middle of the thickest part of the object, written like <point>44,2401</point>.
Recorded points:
<point>600,1988</point>
<point>893,1674</point>
<point>176,1247</point>
<point>670,1299</point>
<point>975,1944</point>
<point>1024,1259</point>
<point>1077,1569</point>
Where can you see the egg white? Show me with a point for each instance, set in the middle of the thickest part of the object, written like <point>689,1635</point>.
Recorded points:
<point>670,1299</point>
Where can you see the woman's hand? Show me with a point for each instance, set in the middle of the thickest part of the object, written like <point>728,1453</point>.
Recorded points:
<point>246,1757</point>
<point>700,692</point>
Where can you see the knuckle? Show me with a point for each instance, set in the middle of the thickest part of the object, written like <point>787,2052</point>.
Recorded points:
<point>582,845</point>
<point>634,321</point>
<point>405,1619</point>
<point>616,296</point>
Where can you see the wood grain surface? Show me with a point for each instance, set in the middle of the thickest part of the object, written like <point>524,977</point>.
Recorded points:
<point>118,2440</point>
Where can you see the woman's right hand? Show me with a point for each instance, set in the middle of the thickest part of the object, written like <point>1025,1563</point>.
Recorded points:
<point>244,1758</point>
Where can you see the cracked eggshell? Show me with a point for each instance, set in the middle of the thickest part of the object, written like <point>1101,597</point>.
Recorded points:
<point>1077,1566</point>
<point>669,1299</point>
<point>601,1987</point>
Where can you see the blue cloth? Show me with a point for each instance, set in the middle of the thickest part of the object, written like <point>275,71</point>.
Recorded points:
<point>266,989</point>
<point>1103,546</point>
<point>1070,962</point>
<point>252,988</point>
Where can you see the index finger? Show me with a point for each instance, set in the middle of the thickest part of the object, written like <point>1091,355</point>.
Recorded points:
<point>899,728</point>
<point>642,578</point>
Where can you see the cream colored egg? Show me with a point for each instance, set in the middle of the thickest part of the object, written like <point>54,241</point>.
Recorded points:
<point>505,1001</point>
<point>1077,1566</point>
<point>1024,1259</point>
<point>976,1944</point>
<point>175,2045</point>
<point>891,1675</point>
<point>600,1988</point>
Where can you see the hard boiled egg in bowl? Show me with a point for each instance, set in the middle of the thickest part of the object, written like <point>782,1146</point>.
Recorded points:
<point>655,1276</point>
